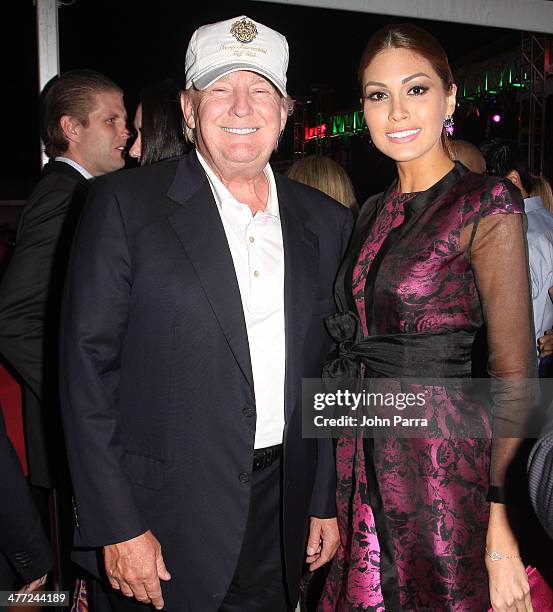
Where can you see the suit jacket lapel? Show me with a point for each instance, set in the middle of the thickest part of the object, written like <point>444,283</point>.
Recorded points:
<point>300,274</point>
<point>200,230</point>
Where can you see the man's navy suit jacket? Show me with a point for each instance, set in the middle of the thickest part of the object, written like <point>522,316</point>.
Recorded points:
<point>156,380</point>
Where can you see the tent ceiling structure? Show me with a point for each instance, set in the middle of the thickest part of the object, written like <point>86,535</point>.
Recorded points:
<point>528,15</point>
<point>523,15</point>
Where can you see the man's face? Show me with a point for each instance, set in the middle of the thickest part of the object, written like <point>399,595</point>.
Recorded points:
<point>237,121</point>
<point>100,147</point>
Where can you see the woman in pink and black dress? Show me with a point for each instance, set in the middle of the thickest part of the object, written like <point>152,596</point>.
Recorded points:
<point>432,261</point>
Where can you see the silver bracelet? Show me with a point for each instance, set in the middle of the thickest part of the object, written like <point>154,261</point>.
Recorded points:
<point>495,556</point>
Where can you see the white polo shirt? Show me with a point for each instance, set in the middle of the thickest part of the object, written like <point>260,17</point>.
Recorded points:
<point>257,250</point>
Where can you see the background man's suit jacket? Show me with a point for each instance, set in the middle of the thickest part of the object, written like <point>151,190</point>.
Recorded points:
<point>156,379</point>
<point>30,300</point>
<point>25,554</point>
<point>540,476</point>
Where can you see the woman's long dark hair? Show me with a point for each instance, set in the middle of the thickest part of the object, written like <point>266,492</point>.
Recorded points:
<point>162,122</point>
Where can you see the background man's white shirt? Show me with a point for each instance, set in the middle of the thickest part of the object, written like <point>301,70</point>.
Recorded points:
<point>74,164</point>
<point>540,259</point>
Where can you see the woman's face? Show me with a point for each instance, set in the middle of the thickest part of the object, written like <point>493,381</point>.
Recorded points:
<point>405,105</point>
<point>136,149</point>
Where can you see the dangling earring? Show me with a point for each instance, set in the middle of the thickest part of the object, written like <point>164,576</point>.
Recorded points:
<point>449,125</point>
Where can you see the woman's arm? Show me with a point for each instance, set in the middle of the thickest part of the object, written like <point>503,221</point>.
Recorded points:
<point>499,261</point>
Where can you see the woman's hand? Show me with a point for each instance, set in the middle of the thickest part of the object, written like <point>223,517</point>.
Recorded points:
<point>508,582</point>
<point>509,589</point>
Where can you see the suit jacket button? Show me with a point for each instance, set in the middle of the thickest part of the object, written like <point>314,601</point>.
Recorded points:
<point>244,477</point>
<point>249,411</point>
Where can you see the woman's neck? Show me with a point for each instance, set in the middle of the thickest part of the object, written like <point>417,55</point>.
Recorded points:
<point>421,174</point>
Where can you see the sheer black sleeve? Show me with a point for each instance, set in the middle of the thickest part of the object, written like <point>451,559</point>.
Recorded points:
<point>498,255</point>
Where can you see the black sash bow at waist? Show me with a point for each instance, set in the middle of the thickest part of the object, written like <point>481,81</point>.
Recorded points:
<point>443,354</point>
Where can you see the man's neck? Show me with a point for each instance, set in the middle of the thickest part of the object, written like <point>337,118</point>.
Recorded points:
<point>254,193</point>
<point>250,188</point>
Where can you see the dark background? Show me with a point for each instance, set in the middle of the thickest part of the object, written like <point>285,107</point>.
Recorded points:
<point>133,44</point>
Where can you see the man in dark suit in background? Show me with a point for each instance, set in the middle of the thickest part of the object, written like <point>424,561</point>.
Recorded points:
<point>540,475</point>
<point>83,124</point>
<point>195,304</point>
<point>25,555</point>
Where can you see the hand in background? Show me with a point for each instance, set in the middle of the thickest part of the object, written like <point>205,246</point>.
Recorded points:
<point>545,343</point>
<point>34,585</point>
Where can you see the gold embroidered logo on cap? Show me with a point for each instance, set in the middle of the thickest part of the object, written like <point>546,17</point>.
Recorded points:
<point>244,30</point>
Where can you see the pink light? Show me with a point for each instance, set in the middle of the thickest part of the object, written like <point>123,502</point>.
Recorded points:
<point>496,118</point>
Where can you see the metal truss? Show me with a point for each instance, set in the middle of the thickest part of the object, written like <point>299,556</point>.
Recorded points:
<point>534,66</point>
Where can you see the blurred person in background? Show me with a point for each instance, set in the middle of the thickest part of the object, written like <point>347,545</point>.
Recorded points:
<point>506,159</point>
<point>84,131</point>
<point>25,554</point>
<point>159,124</point>
<point>541,188</point>
<point>323,173</point>
<point>7,243</point>
<point>469,155</point>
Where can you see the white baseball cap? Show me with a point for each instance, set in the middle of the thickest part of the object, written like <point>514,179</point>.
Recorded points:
<point>241,43</point>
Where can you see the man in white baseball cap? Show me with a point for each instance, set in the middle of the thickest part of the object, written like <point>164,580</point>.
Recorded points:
<point>218,49</point>
<point>210,278</point>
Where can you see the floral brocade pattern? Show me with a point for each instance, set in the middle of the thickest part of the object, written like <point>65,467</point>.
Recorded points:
<point>433,489</point>
<point>392,217</point>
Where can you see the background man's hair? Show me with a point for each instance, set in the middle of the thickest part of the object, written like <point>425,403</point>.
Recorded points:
<point>74,94</point>
<point>503,156</point>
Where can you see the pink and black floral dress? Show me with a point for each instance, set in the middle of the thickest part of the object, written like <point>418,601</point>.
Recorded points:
<point>424,275</point>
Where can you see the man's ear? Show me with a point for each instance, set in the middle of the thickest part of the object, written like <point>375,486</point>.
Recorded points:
<point>284,113</point>
<point>71,128</point>
<point>187,109</point>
